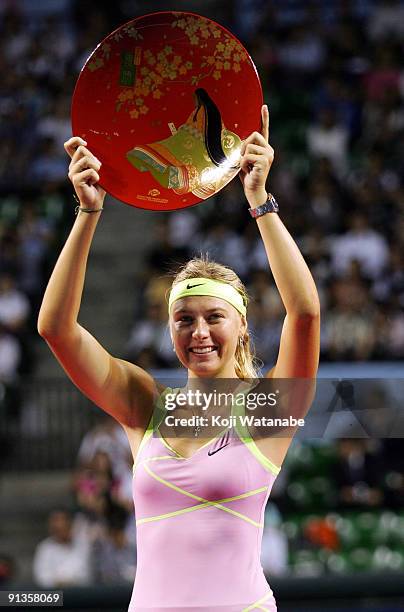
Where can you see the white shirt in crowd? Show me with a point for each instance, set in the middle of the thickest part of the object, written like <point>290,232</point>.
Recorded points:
<point>368,247</point>
<point>57,564</point>
<point>10,355</point>
<point>14,307</point>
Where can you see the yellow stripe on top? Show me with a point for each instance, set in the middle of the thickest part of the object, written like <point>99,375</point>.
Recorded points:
<point>245,436</point>
<point>256,605</point>
<point>205,504</point>
<point>206,501</point>
<point>155,419</point>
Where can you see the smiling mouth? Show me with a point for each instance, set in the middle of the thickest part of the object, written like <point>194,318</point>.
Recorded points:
<point>203,350</point>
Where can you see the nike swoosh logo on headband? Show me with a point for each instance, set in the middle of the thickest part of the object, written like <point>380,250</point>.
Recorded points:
<point>192,286</point>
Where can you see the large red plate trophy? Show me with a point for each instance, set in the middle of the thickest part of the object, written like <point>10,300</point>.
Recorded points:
<point>164,102</point>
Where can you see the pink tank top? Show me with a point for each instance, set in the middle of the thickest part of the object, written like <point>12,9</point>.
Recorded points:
<point>199,525</point>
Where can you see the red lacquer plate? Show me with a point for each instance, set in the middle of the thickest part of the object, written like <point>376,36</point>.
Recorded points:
<point>164,102</point>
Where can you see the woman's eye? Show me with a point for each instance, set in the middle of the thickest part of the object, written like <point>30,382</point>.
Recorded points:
<point>216,315</point>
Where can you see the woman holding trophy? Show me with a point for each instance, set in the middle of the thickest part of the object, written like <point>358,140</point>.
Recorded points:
<point>199,511</point>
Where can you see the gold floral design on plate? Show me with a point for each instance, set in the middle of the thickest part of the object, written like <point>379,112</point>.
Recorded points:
<point>166,65</point>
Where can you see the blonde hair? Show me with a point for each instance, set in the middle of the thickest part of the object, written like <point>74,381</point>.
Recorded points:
<point>246,365</point>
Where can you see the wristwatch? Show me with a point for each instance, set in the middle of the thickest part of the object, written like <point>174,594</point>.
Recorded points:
<point>270,206</point>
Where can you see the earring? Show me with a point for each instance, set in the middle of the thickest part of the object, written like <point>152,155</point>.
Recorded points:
<point>241,341</point>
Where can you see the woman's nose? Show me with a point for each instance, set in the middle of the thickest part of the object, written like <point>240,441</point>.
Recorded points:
<point>201,329</point>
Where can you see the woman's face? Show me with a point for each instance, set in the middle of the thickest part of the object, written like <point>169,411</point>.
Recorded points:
<point>205,332</point>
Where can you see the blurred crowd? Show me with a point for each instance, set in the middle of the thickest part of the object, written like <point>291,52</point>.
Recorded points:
<point>93,540</point>
<point>334,81</point>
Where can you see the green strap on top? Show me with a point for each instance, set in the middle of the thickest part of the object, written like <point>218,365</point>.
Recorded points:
<point>155,421</point>
<point>245,436</point>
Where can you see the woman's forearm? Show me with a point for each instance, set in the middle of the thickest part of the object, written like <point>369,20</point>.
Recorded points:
<point>61,303</point>
<point>292,276</point>
<point>291,273</point>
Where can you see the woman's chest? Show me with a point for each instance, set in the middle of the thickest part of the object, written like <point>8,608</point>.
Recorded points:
<point>219,470</point>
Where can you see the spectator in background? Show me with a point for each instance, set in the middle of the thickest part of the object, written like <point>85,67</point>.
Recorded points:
<point>150,333</point>
<point>324,205</point>
<point>384,124</point>
<point>274,553</point>
<point>348,332</point>
<point>58,39</point>
<point>386,20</point>
<point>265,316</point>
<point>35,235</point>
<point>14,305</point>
<point>16,36</point>
<point>113,555</point>
<point>225,245</point>
<point>362,243</point>
<point>357,474</point>
<point>97,487</point>
<point>109,438</point>
<point>182,226</point>
<point>303,51</point>
<point>328,138</point>
<point>335,92</point>
<point>392,281</point>
<point>10,357</point>
<point>39,64</point>
<point>93,486</point>
<point>14,163</point>
<point>10,256</point>
<point>56,123</point>
<point>61,559</point>
<point>384,74</point>
<point>164,253</point>
<point>315,250</point>
<point>248,17</point>
<point>103,481</point>
<point>49,165</point>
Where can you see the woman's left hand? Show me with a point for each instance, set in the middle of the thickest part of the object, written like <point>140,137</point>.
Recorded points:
<point>256,159</point>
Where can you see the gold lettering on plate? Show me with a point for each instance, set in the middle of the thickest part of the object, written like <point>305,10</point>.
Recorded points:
<point>151,199</point>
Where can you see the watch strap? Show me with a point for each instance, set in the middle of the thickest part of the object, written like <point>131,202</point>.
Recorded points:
<point>270,206</point>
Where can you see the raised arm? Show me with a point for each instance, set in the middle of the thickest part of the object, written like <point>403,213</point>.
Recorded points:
<point>118,387</point>
<point>300,339</point>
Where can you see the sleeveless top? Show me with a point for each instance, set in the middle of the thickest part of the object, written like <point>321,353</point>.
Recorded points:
<point>199,523</point>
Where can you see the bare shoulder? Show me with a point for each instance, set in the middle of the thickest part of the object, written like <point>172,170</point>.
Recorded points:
<point>136,429</point>
<point>143,391</point>
<point>279,407</point>
<point>122,389</point>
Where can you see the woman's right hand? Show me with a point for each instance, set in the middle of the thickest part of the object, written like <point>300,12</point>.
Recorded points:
<point>83,173</point>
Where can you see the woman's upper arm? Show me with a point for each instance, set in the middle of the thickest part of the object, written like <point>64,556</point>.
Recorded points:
<point>120,388</point>
<point>299,348</point>
<point>298,359</point>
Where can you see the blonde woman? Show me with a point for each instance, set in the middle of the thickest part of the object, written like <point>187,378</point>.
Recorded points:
<point>199,505</point>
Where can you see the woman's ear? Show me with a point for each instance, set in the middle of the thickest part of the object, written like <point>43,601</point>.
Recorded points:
<point>244,326</point>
